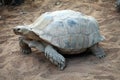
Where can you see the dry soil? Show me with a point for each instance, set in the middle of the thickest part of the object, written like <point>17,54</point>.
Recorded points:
<point>16,66</point>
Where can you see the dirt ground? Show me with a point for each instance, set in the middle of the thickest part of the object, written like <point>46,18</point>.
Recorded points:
<point>16,66</point>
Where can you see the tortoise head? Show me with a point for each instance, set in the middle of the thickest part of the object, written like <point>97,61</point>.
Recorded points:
<point>26,32</point>
<point>21,30</point>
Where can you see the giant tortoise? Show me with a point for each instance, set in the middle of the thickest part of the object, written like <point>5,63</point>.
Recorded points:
<point>61,32</point>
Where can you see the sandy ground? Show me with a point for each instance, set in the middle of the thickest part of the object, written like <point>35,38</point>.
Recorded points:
<point>16,66</point>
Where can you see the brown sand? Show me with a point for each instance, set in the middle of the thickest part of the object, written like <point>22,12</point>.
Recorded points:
<point>16,66</point>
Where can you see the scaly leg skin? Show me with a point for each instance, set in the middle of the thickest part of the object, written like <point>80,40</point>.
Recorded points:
<point>34,44</point>
<point>98,51</point>
<point>50,53</point>
<point>55,57</point>
<point>24,46</point>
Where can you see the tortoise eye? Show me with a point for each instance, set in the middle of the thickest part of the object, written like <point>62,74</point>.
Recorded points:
<point>18,29</point>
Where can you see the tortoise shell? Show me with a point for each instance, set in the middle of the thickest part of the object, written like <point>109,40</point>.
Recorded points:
<point>67,29</point>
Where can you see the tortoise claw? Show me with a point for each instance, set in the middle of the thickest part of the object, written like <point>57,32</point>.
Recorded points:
<point>26,51</point>
<point>101,56</point>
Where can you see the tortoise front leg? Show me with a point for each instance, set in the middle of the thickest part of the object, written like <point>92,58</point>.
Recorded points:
<point>98,51</point>
<point>55,57</point>
<point>24,46</point>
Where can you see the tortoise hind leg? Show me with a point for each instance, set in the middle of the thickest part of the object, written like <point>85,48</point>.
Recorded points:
<point>98,51</point>
<point>24,46</point>
<point>55,57</point>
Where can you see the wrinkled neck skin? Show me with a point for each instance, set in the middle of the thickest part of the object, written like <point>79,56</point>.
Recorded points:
<point>31,35</point>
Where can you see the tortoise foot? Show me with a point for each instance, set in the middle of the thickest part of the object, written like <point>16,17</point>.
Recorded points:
<point>62,66</point>
<point>98,51</point>
<point>24,46</point>
<point>55,57</point>
<point>100,55</point>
